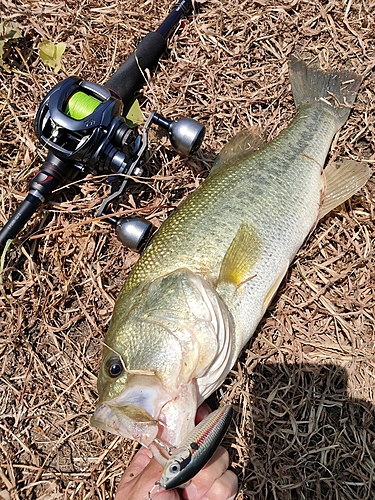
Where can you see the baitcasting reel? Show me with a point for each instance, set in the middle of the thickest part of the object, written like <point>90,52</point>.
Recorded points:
<point>81,123</point>
<point>83,128</point>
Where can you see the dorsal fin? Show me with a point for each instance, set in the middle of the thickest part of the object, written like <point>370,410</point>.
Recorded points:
<point>341,180</point>
<point>241,145</point>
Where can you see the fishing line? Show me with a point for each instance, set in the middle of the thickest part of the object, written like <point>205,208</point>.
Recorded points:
<point>81,105</point>
<point>150,495</point>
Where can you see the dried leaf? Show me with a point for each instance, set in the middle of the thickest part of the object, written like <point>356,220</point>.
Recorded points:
<point>8,31</point>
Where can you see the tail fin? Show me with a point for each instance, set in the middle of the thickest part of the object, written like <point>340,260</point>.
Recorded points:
<point>334,89</point>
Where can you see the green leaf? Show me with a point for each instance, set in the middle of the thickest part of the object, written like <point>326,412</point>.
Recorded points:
<point>9,30</point>
<point>50,53</point>
<point>135,116</point>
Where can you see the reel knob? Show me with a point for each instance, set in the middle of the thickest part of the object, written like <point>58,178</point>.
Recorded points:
<point>186,135</point>
<point>133,232</point>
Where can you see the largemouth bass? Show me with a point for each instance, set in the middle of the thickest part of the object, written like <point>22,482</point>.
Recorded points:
<point>198,292</point>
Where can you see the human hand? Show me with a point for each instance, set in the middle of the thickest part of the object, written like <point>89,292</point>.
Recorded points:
<point>213,482</point>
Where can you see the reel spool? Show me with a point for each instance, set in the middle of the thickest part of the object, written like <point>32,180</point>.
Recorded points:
<point>81,105</point>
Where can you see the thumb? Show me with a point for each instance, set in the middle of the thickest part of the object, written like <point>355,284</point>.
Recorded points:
<point>140,461</point>
<point>140,477</point>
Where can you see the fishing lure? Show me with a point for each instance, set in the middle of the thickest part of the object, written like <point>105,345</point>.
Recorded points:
<point>196,449</point>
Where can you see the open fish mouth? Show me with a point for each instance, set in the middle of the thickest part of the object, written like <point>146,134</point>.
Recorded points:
<point>135,412</point>
<point>145,411</point>
<point>129,421</point>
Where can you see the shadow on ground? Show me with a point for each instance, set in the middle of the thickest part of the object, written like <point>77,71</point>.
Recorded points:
<point>304,436</point>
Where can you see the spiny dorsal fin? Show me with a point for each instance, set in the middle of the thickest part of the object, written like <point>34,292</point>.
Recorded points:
<point>242,144</point>
<point>241,257</point>
<point>341,180</point>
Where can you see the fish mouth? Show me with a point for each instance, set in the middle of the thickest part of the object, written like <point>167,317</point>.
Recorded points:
<point>135,413</point>
<point>129,421</point>
<point>145,410</point>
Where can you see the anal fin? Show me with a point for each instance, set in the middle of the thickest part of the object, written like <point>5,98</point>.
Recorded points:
<point>341,180</point>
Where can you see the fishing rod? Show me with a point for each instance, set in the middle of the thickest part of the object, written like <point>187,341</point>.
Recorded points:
<point>82,125</point>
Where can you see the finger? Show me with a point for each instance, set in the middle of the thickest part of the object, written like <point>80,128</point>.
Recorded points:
<point>138,487</point>
<point>225,487</point>
<point>140,461</point>
<point>206,477</point>
<point>202,412</point>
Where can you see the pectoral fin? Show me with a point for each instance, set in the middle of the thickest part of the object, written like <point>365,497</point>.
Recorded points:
<point>242,144</point>
<point>241,257</point>
<point>341,181</point>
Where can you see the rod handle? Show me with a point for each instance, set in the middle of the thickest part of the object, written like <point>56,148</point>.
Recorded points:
<point>52,174</point>
<point>131,75</point>
<point>20,217</point>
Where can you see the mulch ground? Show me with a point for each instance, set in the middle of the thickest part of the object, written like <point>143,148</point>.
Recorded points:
<point>303,391</point>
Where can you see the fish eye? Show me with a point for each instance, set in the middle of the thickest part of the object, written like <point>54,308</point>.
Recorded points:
<point>114,367</point>
<point>174,468</point>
